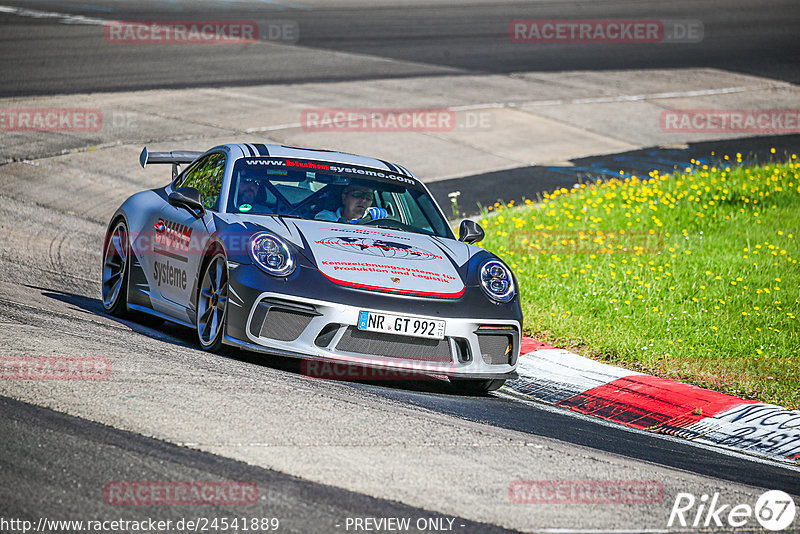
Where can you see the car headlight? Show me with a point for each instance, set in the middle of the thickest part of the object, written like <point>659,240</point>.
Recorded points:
<point>496,281</point>
<point>272,254</point>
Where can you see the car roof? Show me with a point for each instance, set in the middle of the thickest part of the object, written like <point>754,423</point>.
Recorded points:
<point>286,151</point>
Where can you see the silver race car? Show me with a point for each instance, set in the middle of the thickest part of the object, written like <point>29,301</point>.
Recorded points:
<point>313,254</point>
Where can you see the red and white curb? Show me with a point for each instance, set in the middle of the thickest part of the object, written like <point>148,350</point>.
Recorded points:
<point>637,400</point>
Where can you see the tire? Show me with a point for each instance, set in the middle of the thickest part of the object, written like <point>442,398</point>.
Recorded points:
<point>477,387</point>
<point>116,271</point>
<point>212,303</point>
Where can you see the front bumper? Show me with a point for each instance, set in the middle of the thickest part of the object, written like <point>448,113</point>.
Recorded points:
<point>314,329</point>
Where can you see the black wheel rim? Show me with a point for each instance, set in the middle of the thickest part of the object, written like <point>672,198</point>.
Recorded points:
<point>114,262</point>
<point>212,300</point>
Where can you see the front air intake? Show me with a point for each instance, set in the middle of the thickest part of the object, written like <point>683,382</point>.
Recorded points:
<point>392,346</point>
<point>280,320</point>
<point>284,325</point>
<point>498,345</point>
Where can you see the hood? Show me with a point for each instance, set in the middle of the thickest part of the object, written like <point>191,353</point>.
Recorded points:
<point>368,257</point>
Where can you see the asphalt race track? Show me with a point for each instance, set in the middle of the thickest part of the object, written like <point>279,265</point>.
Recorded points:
<point>381,39</point>
<point>60,442</point>
<point>322,453</point>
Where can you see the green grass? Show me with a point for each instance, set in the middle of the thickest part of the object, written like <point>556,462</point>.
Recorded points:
<point>692,277</point>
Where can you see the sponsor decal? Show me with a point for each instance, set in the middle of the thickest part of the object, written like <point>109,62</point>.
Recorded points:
<point>50,120</point>
<point>54,368</point>
<point>245,207</point>
<point>377,247</point>
<point>180,493</point>
<point>329,167</point>
<point>761,428</point>
<point>307,165</point>
<point>170,234</point>
<point>365,231</point>
<point>394,279</point>
<point>585,491</point>
<point>388,269</point>
<point>169,275</point>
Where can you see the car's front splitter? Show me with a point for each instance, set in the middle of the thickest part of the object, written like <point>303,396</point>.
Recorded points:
<point>318,329</point>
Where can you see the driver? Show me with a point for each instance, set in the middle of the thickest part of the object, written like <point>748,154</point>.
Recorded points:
<point>356,200</point>
<point>249,186</point>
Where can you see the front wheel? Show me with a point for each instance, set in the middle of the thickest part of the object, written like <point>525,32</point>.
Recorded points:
<point>116,266</point>
<point>212,302</point>
<point>477,387</point>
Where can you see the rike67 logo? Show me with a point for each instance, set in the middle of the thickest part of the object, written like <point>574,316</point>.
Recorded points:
<point>774,510</point>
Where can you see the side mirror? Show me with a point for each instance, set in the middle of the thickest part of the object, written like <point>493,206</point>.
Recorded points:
<point>470,232</point>
<point>189,199</point>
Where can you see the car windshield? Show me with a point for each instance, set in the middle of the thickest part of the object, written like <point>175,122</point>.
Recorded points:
<point>329,192</point>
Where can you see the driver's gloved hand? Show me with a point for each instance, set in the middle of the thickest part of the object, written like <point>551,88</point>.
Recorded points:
<point>376,213</point>
<point>373,214</point>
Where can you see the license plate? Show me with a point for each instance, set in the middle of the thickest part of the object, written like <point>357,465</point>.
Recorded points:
<point>402,325</point>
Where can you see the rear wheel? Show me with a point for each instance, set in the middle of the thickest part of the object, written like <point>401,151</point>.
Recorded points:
<point>477,387</point>
<point>212,302</point>
<point>116,266</point>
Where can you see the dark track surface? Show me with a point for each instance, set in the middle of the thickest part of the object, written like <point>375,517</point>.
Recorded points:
<point>539,420</point>
<point>47,56</point>
<point>531,419</point>
<point>484,189</point>
<point>56,466</point>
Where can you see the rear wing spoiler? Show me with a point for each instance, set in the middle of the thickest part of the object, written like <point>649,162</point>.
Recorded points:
<point>176,157</point>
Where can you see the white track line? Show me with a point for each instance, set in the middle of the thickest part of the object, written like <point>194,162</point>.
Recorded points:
<point>626,98</point>
<point>578,101</point>
<point>64,18</point>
